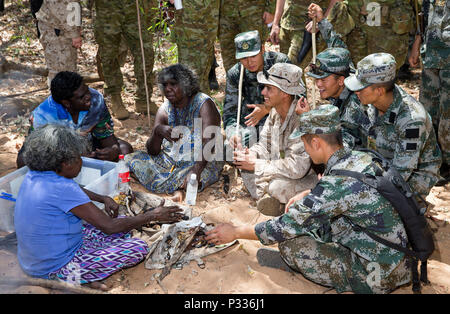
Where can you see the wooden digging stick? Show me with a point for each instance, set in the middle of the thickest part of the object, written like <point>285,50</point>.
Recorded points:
<point>241,79</point>
<point>314,61</point>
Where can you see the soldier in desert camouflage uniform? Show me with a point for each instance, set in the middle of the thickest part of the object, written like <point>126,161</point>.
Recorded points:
<point>195,32</point>
<point>315,236</point>
<point>238,16</point>
<point>59,23</point>
<point>435,88</point>
<point>396,124</point>
<point>279,165</point>
<point>117,19</point>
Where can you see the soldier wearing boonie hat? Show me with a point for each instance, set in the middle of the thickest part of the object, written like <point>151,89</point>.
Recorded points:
<point>279,166</point>
<point>397,125</point>
<point>285,76</point>
<point>253,58</point>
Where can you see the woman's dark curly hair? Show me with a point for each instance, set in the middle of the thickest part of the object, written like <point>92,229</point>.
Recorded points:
<point>64,84</point>
<point>185,77</point>
<point>46,148</point>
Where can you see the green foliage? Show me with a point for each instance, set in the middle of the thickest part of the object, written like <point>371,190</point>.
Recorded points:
<point>165,50</point>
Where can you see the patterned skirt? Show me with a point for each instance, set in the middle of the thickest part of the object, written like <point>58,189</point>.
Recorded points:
<point>100,256</point>
<point>161,174</point>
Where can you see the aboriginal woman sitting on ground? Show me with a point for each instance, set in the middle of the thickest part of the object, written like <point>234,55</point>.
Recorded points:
<point>183,139</point>
<point>53,240</point>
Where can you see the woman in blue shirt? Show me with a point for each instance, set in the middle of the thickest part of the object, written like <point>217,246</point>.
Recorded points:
<point>53,240</point>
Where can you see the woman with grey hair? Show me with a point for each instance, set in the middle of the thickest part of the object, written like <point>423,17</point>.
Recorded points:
<point>61,234</point>
<point>173,150</point>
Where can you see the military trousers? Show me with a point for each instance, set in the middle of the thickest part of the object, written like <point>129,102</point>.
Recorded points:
<point>291,42</point>
<point>117,20</point>
<point>435,97</point>
<point>333,265</point>
<point>365,40</point>
<point>235,20</point>
<point>280,187</point>
<point>195,33</point>
<point>59,53</point>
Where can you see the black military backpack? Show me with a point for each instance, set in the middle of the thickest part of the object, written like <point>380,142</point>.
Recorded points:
<point>391,185</point>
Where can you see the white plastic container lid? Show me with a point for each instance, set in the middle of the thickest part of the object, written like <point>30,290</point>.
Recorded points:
<point>193,176</point>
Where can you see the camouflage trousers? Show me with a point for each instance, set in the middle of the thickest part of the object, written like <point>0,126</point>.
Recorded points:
<point>117,20</point>
<point>280,187</point>
<point>333,265</point>
<point>435,97</point>
<point>195,32</point>
<point>59,53</point>
<point>363,41</point>
<point>235,20</point>
<point>291,42</point>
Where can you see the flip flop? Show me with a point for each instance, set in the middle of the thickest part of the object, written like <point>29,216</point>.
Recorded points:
<point>272,258</point>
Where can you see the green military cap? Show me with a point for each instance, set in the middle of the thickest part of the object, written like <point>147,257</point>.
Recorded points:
<point>375,68</point>
<point>331,61</point>
<point>248,44</point>
<point>322,120</point>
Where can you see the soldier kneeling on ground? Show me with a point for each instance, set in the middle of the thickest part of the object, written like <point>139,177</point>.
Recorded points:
<point>315,235</point>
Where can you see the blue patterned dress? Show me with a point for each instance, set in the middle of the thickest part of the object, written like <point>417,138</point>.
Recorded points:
<point>166,172</point>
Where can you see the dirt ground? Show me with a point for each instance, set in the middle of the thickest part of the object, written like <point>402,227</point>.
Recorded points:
<point>232,271</point>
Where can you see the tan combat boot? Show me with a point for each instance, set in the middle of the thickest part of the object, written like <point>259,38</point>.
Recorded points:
<point>141,107</point>
<point>117,107</point>
<point>269,206</point>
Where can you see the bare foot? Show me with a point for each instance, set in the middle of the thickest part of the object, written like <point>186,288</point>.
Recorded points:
<point>178,196</point>
<point>97,285</point>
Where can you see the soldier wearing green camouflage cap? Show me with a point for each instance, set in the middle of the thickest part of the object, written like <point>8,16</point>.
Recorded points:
<point>323,120</point>
<point>396,124</point>
<point>333,65</point>
<point>253,57</point>
<point>315,235</point>
<point>247,44</point>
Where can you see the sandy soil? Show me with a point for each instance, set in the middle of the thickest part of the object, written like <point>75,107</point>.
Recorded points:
<point>231,271</point>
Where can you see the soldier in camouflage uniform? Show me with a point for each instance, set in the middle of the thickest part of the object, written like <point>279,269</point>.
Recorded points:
<point>60,35</point>
<point>288,28</point>
<point>237,16</point>
<point>375,26</point>
<point>395,124</point>
<point>279,166</point>
<point>252,56</point>
<point>315,236</point>
<point>332,66</point>
<point>116,19</point>
<point>195,32</point>
<point>435,87</point>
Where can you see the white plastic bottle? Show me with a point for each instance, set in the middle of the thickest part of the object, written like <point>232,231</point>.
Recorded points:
<point>191,190</point>
<point>124,175</point>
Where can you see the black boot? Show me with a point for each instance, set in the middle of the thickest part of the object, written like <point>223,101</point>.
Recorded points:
<point>213,84</point>
<point>2,5</point>
<point>445,174</point>
<point>404,73</point>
